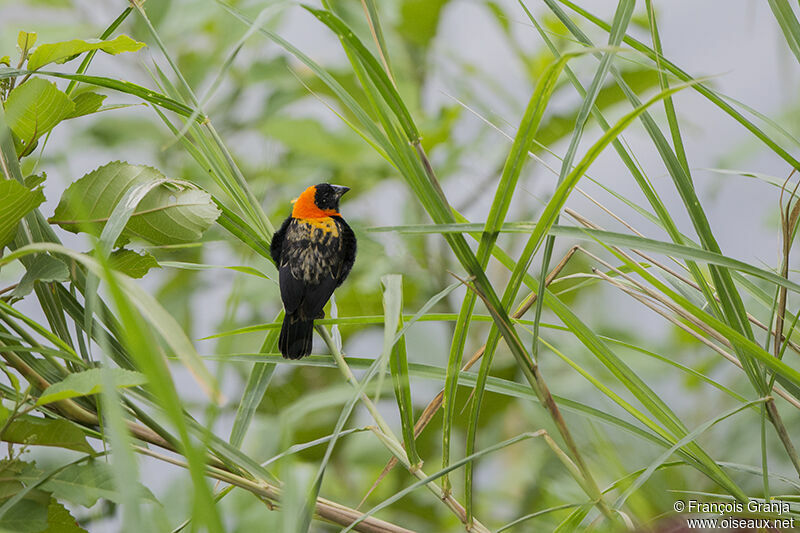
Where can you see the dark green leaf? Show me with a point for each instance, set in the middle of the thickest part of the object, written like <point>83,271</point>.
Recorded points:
<point>15,202</point>
<point>59,520</point>
<point>29,515</point>
<point>132,263</point>
<point>44,268</point>
<point>34,431</point>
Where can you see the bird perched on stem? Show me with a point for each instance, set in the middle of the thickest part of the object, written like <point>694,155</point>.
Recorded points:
<point>314,250</point>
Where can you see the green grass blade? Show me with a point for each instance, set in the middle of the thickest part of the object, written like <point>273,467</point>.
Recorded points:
<point>788,22</point>
<point>126,87</point>
<point>257,383</point>
<point>395,350</point>
<point>517,157</point>
<point>690,437</point>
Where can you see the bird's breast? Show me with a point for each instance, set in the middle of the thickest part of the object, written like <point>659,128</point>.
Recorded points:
<point>312,249</point>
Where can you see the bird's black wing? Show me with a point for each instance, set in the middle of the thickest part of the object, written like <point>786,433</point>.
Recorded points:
<point>348,252</point>
<point>278,237</point>
<point>316,296</point>
<point>292,289</point>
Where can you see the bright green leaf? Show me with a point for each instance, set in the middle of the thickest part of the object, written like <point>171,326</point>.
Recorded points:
<point>34,108</point>
<point>89,382</point>
<point>15,202</point>
<point>87,103</point>
<point>44,268</point>
<point>26,40</point>
<point>171,213</point>
<point>62,52</point>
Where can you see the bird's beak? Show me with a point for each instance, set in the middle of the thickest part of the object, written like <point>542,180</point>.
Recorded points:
<point>340,190</point>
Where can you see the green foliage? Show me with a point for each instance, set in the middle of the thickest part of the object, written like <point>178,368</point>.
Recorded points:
<point>33,109</point>
<point>44,269</point>
<point>62,52</point>
<point>89,382</point>
<point>531,363</point>
<point>33,431</point>
<point>16,201</point>
<point>131,263</point>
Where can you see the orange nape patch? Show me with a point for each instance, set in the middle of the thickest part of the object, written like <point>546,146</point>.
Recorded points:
<point>306,207</point>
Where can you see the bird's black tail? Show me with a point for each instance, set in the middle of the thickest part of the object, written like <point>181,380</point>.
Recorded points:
<point>296,336</point>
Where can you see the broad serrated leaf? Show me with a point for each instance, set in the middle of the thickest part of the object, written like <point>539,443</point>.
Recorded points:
<point>64,51</point>
<point>34,431</point>
<point>15,202</point>
<point>89,382</point>
<point>34,108</point>
<point>59,520</point>
<point>172,213</point>
<point>86,104</point>
<point>34,180</point>
<point>132,263</point>
<point>44,268</point>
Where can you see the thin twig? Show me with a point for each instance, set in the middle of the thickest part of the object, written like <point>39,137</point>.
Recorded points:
<point>325,509</point>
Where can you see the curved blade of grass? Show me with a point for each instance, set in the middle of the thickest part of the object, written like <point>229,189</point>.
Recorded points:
<point>140,342</point>
<point>691,436</point>
<point>126,87</point>
<point>257,383</point>
<point>517,157</point>
<point>381,79</point>
<point>788,22</point>
<point>622,17</point>
<point>398,361</point>
<point>609,237</point>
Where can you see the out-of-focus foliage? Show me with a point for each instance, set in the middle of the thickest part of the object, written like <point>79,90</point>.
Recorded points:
<point>169,149</point>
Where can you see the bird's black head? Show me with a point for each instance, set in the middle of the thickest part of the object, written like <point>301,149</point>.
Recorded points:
<point>327,195</point>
